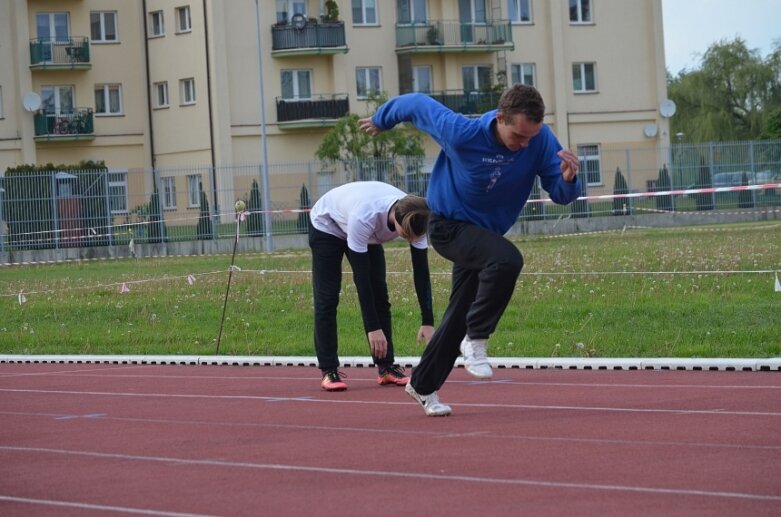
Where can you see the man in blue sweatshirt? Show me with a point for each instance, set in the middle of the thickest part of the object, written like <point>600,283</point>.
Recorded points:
<point>479,184</point>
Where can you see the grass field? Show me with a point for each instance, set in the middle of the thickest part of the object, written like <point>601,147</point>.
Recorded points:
<point>682,292</point>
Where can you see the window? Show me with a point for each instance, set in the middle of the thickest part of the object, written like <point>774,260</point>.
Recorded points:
<point>187,91</point>
<point>520,11</point>
<point>169,192</point>
<point>590,166</point>
<point>156,23</point>
<point>421,79</point>
<point>580,11</point>
<point>103,26</point>
<point>183,23</point>
<point>476,78</point>
<point>161,94</point>
<point>524,73</point>
<point>411,11</point>
<point>286,9</point>
<point>365,12</point>
<point>367,82</point>
<point>296,84</point>
<point>56,100</point>
<point>584,77</point>
<point>108,99</point>
<point>117,192</point>
<point>194,191</point>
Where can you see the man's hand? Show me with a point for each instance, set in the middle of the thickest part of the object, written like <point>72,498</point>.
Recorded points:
<point>425,333</point>
<point>366,125</point>
<point>378,343</point>
<point>569,165</point>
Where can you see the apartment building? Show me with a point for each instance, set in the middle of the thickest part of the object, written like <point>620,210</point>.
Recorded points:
<point>177,85</point>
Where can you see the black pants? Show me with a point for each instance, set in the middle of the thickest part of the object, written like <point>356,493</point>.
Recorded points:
<point>327,254</point>
<point>485,269</point>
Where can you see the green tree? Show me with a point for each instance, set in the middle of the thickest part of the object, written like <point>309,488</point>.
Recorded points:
<point>156,228</point>
<point>303,217</point>
<point>730,97</point>
<point>204,229</point>
<point>663,184</point>
<point>255,206</point>
<point>623,205</point>
<point>365,156</point>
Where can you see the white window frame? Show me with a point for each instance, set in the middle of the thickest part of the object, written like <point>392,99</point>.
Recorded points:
<point>187,92</point>
<point>117,181</point>
<point>590,158</point>
<point>578,12</point>
<point>580,74</point>
<point>161,94</point>
<point>157,24</point>
<point>518,71</point>
<point>183,25</point>
<point>286,9</point>
<point>194,187</point>
<point>105,90</point>
<point>367,73</point>
<point>102,16</point>
<point>416,70</point>
<point>515,9</point>
<point>413,7</point>
<point>297,75</point>
<point>169,192</point>
<point>474,71</point>
<point>362,9</point>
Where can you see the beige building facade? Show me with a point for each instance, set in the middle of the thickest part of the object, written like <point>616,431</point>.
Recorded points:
<point>175,85</point>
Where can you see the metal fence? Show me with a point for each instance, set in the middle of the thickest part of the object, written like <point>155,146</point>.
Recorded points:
<point>62,209</point>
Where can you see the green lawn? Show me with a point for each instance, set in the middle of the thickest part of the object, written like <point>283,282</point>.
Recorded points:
<point>681,292</point>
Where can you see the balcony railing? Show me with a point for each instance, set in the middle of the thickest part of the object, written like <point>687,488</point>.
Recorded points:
<point>472,103</point>
<point>76,125</point>
<point>318,110</point>
<point>311,38</point>
<point>453,36</point>
<point>67,54</point>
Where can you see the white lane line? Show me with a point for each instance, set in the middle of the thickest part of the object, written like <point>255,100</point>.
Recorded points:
<point>402,475</point>
<point>377,402</point>
<point>431,434</point>
<point>87,506</point>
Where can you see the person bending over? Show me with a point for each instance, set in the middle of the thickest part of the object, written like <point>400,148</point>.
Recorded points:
<point>355,219</point>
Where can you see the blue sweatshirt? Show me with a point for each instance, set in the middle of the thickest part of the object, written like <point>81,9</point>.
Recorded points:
<point>476,179</point>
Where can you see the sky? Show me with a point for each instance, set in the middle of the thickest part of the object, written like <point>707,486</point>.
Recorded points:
<point>691,26</point>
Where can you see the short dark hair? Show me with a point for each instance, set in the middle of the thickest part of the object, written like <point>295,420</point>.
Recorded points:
<point>522,99</point>
<point>412,215</point>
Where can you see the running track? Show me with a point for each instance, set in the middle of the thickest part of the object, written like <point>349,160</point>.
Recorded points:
<point>93,439</point>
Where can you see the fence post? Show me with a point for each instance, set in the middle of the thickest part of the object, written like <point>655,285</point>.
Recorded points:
<point>2,238</point>
<point>753,173</point>
<point>54,213</point>
<point>710,169</point>
<point>109,219</point>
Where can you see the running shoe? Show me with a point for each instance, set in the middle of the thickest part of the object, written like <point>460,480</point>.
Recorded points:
<point>332,381</point>
<point>393,375</point>
<point>475,359</point>
<point>430,403</point>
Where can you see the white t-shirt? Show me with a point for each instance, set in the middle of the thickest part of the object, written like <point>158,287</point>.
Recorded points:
<point>358,213</point>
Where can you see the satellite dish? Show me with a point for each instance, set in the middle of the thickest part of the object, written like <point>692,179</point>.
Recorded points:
<point>667,108</point>
<point>31,101</point>
<point>650,130</point>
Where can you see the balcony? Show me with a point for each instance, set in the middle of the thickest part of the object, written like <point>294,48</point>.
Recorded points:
<point>450,36</point>
<point>63,127</point>
<point>70,54</point>
<point>317,111</point>
<point>308,39</point>
<point>472,103</point>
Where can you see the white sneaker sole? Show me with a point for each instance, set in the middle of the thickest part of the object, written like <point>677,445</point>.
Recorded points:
<point>435,410</point>
<point>481,371</point>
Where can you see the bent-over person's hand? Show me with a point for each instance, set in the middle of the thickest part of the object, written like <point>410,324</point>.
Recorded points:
<point>425,333</point>
<point>569,165</point>
<point>378,343</point>
<point>366,125</point>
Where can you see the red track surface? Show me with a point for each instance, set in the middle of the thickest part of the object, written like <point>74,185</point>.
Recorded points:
<point>84,439</point>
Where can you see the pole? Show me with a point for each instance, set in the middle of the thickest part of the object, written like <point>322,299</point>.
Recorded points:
<point>264,171</point>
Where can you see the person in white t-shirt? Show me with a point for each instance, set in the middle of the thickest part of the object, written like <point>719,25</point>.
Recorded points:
<point>355,219</point>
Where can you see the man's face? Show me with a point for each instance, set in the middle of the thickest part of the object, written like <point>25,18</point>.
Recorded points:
<point>515,132</point>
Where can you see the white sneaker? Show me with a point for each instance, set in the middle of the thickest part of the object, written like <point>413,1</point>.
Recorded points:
<point>430,403</point>
<point>475,360</point>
